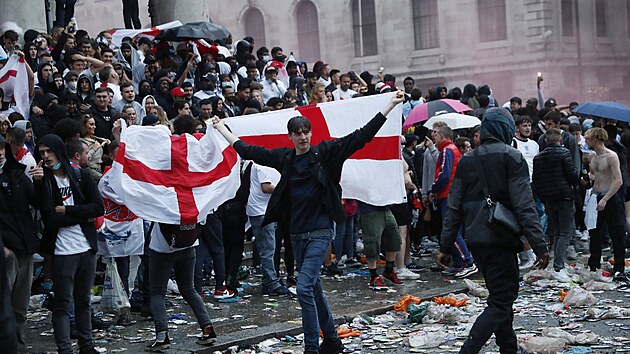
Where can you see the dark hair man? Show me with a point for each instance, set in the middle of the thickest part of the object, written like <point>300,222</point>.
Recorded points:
<point>310,203</point>
<point>72,201</point>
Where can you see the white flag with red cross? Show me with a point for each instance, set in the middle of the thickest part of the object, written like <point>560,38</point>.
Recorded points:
<point>173,179</point>
<point>14,83</point>
<point>151,32</point>
<point>373,174</point>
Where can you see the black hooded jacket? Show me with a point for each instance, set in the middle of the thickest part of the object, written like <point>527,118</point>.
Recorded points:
<point>16,194</point>
<point>507,178</point>
<point>88,203</point>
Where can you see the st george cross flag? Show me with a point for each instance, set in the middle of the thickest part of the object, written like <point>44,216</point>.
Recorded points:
<point>173,179</point>
<point>373,174</point>
<point>14,82</point>
<point>119,34</point>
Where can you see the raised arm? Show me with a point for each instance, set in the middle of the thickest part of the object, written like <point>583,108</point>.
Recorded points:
<point>221,128</point>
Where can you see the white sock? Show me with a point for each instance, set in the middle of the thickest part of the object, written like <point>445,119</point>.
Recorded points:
<point>160,336</point>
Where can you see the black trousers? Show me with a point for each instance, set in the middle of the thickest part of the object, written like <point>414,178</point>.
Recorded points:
<point>282,234</point>
<point>8,330</point>
<point>613,216</point>
<point>500,270</point>
<point>131,14</point>
<point>233,242</point>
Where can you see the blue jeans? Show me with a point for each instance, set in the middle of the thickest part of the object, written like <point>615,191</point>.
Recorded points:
<point>183,262</point>
<point>460,252</point>
<point>344,238</point>
<point>562,221</point>
<point>266,244</point>
<point>72,277</point>
<point>310,250</point>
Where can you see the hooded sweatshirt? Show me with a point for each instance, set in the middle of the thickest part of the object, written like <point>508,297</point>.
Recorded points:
<point>17,228</point>
<point>507,179</point>
<point>81,198</point>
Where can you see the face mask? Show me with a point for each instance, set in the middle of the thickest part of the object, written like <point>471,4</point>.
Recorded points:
<point>72,86</point>
<point>56,166</point>
<point>281,58</point>
<point>266,58</point>
<point>226,84</point>
<point>145,91</point>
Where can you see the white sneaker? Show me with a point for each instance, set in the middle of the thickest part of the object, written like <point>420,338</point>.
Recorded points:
<point>359,246</point>
<point>585,236</point>
<point>571,253</point>
<point>527,265</point>
<point>561,276</point>
<point>404,273</point>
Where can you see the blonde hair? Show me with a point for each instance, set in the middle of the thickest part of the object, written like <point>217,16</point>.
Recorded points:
<point>438,124</point>
<point>597,134</point>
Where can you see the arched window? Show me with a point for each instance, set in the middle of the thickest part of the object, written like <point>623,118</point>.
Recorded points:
<point>308,31</point>
<point>255,25</point>
<point>364,26</point>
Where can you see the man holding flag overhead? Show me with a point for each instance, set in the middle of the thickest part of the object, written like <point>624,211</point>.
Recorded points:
<point>308,196</point>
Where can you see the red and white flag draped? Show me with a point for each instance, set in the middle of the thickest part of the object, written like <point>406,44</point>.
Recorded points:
<point>373,174</point>
<point>119,34</point>
<point>173,179</point>
<point>14,83</point>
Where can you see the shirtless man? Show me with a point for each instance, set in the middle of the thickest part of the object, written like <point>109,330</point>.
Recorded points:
<point>606,175</point>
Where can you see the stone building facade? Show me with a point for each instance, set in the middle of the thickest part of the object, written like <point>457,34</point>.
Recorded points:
<point>582,47</point>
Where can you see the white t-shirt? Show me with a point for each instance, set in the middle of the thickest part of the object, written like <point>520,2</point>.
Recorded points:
<point>29,161</point>
<point>70,239</point>
<point>338,94</point>
<point>529,149</point>
<point>159,244</point>
<point>258,200</point>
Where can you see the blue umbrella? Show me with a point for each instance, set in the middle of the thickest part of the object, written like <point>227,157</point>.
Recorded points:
<point>610,110</point>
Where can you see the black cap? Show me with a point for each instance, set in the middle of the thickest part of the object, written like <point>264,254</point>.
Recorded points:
<point>150,120</point>
<point>144,40</point>
<point>149,59</point>
<point>551,102</point>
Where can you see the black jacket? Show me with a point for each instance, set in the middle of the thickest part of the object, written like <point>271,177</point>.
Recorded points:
<point>88,203</point>
<point>327,160</point>
<point>554,174</point>
<point>507,177</point>
<point>17,228</point>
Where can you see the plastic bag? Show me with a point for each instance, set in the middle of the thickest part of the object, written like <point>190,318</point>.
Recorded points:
<point>535,275</point>
<point>114,296</point>
<point>450,300</point>
<point>426,339</point>
<point>593,285</point>
<point>443,314</point>
<point>578,339</point>
<point>544,345</point>
<point>476,289</point>
<point>417,311</point>
<point>611,312</point>
<point>579,297</point>
<point>402,304</point>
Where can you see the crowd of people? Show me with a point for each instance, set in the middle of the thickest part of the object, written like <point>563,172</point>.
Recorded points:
<point>562,174</point>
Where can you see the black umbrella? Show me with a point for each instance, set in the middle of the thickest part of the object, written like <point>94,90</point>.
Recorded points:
<point>195,30</point>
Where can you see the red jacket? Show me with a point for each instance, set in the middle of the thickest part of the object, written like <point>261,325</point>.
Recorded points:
<point>445,168</point>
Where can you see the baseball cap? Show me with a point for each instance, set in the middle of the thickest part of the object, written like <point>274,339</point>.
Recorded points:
<point>149,59</point>
<point>550,102</point>
<point>150,120</point>
<point>178,92</point>
<point>144,40</point>
<point>271,67</point>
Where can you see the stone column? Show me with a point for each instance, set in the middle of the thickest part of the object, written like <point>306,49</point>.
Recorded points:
<point>28,14</point>
<point>182,10</point>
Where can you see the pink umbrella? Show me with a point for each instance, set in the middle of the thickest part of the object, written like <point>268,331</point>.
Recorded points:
<point>427,110</point>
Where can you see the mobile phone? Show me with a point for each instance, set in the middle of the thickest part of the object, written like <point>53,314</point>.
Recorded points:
<point>539,75</point>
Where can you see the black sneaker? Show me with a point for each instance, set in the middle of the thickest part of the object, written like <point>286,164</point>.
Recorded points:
<point>97,323</point>
<point>415,267</point>
<point>279,291</point>
<point>332,269</point>
<point>208,336</point>
<point>621,278</point>
<point>352,263</point>
<point>291,281</point>
<point>331,346</point>
<point>158,346</point>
